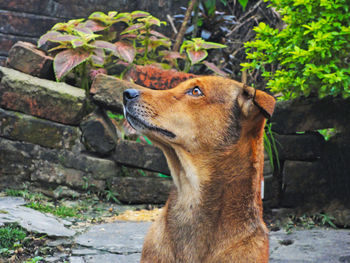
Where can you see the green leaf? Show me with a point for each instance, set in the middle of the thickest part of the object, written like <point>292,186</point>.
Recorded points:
<point>67,60</point>
<point>243,3</point>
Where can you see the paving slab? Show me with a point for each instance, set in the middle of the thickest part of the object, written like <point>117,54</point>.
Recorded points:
<point>12,211</point>
<point>309,246</point>
<point>118,237</point>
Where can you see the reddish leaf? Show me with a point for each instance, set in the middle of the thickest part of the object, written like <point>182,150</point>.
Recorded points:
<point>196,56</point>
<point>138,14</point>
<point>67,60</point>
<point>130,36</point>
<point>94,26</point>
<point>64,39</point>
<point>214,68</point>
<point>171,55</point>
<point>209,45</point>
<point>132,28</point>
<point>125,51</point>
<point>83,30</point>
<point>97,60</point>
<point>77,43</point>
<point>157,34</point>
<point>47,37</point>
<point>104,45</point>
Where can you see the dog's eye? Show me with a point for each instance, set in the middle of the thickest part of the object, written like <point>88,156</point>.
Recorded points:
<point>195,91</point>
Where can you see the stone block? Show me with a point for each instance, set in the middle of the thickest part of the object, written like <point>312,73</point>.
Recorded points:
<point>310,114</point>
<point>304,184</point>
<point>300,147</point>
<point>22,127</point>
<point>156,78</point>
<point>12,23</point>
<point>137,155</point>
<point>39,97</point>
<point>107,91</point>
<point>272,189</point>
<point>142,190</point>
<point>53,174</point>
<point>25,57</point>
<point>98,168</point>
<point>99,134</point>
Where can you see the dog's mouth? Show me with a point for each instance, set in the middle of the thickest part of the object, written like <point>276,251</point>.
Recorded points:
<point>139,124</point>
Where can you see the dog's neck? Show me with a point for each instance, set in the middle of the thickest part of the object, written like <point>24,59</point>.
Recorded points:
<point>212,182</point>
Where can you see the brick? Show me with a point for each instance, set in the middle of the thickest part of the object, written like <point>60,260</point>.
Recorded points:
<point>100,135</point>
<point>137,155</point>
<point>107,91</point>
<point>304,183</point>
<point>310,114</point>
<point>300,147</point>
<point>7,41</point>
<point>142,190</point>
<point>17,126</point>
<point>155,78</point>
<point>24,56</point>
<point>25,24</point>
<point>42,98</point>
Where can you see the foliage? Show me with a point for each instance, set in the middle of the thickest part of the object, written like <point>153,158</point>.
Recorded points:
<point>34,260</point>
<point>270,146</point>
<point>328,133</point>
<point>310,55</point>
<point>207,22</point>
<point>83,45</point>
<point>60,211</point>
<point>10,235</point>
<point>306,221</point>
<point>25,194</point>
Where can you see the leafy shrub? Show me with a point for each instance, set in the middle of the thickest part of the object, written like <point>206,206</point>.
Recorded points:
<point>82,45</point>
<point>310,55</point>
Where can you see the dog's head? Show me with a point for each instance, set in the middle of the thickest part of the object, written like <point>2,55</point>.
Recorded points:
<point>199,114</point>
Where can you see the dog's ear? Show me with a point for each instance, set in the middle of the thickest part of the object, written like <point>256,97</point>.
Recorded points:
<point>263,101</point>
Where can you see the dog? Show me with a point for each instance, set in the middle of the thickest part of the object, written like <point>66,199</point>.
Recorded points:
<point>211,132</point>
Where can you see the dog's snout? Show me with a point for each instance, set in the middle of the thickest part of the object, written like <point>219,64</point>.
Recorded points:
<point>130,94</point>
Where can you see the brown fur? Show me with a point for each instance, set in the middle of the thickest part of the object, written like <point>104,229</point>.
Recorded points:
<point>214,147</point>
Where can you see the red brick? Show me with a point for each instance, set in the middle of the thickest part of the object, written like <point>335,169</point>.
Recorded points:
<point>24,56</point>
<point>156,78</point>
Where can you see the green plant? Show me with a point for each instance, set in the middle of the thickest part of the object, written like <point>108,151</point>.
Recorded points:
<point>10,235</point>
<point>87,44</point>
<point>310,55</point>
<point>111,196</point>
<point>34,260</point>
<point>328,133</point>
<point>60,211</point>
<point>270,146</point>
<point>25,194</point>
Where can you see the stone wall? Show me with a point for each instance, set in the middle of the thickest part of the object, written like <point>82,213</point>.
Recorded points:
<point>56,140</point>
<point>27,20</point>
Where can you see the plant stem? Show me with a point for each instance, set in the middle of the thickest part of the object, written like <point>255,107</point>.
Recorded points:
<point>183,28</point>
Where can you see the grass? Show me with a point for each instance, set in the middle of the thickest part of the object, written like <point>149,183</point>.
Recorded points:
<point>10,235</point>
<point>60,211</point>
<point>308,222</point>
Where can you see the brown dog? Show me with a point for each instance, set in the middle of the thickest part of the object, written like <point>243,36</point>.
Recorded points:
<point>211,132</point>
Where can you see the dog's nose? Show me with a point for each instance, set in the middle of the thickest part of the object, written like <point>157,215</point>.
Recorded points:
<point>130,94</point>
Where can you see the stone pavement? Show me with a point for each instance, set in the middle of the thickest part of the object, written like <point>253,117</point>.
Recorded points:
<point>121,242</point>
